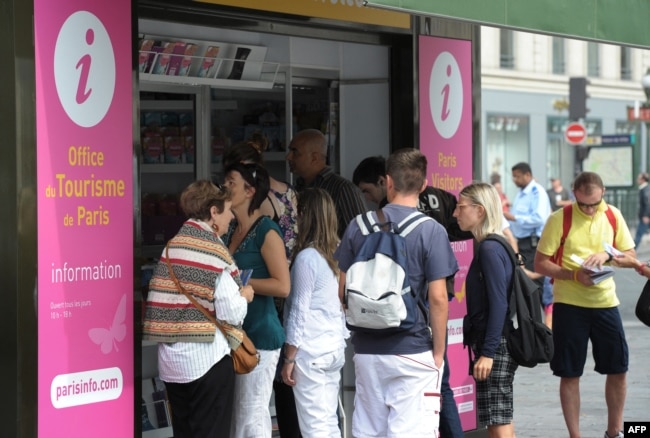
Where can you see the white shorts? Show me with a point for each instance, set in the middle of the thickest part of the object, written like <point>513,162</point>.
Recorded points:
<point>396,396</point>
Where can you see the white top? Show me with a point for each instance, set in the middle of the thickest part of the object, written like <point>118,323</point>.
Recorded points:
<point>183,362</point>
<point>313,319</point>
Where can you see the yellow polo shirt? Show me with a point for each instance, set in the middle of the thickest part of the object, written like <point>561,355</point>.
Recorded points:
<point>586,237</point>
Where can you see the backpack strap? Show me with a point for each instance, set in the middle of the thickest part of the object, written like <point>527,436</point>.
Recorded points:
<point>567,217</point>
<point>411,222</point>
<point>367,223</point>
<point>611,217</point>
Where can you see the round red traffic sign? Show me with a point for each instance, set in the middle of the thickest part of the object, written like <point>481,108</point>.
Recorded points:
<point>575,133</point>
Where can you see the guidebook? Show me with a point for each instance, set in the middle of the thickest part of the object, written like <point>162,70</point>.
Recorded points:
<point>597,274</point>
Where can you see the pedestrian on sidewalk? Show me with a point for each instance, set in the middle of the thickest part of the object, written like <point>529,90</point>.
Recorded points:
<point>488,280</point>
<point>583,310</point>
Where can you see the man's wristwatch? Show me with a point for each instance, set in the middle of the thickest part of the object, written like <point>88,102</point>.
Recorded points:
<point>610,257</point>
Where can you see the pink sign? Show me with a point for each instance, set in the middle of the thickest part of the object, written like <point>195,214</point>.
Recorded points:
<point>85,218</point>
<point>446,139</point>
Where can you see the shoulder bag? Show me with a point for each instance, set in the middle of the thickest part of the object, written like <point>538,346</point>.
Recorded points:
<point>245,356</point>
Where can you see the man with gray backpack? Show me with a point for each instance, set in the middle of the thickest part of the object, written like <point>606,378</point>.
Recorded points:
<point>398,323</point>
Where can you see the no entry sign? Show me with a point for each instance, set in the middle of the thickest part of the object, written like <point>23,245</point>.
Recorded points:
<point>575,133</point>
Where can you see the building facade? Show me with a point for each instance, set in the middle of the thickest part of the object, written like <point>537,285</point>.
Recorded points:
<point>525,107</point>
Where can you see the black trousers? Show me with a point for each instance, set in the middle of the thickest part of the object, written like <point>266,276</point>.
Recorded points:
<point>528,248</point>
<point>285,410</point>
<point>203,408</point>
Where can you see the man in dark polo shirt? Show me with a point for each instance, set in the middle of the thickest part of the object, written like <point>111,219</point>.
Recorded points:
<point>307,159</point>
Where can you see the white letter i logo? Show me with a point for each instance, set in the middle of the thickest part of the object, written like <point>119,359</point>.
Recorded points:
<point>84,64</point>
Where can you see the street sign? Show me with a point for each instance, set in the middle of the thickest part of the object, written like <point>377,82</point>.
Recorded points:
<point>610,140</point>
<point>575,133</point>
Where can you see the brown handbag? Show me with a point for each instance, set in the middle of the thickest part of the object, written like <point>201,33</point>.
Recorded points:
<point>245,356</point>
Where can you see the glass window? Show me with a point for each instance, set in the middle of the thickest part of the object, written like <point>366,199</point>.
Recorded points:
<point>559,64</point>
<point>507,49</point>
<point>626,127</point>
<point>593,60</point>
<point>508,143</point>
<point>626,63</point>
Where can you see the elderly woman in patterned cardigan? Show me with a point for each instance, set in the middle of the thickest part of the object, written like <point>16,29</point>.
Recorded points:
<point>193,355</point>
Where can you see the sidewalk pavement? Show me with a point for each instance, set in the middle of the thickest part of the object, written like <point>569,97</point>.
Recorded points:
<point>536,399</point>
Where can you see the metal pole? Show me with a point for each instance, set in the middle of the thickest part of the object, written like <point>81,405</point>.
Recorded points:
<point>643,165</point>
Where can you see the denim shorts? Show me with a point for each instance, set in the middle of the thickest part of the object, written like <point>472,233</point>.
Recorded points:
<point>574,327</point>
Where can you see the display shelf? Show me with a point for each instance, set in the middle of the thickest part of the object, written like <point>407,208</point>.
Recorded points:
<point>254,74</point>
<point>167,168</point>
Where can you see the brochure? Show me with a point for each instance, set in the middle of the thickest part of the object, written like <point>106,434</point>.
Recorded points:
<point>597,274</point>
<point>245,275</point>
<point>611,250</point>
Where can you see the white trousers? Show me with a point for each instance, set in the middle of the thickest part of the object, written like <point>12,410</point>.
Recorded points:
<point>396,396</point>
<point>316,392</point>
<point>250,414</point>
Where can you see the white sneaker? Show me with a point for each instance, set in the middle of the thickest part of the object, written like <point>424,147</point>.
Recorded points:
<point>618,435</point>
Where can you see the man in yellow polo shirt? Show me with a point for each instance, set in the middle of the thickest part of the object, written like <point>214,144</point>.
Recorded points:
<point>583,310</point>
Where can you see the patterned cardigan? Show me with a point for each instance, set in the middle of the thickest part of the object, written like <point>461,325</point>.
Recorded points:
<point>198,257</point>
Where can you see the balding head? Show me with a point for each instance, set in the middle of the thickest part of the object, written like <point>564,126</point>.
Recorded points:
<point>307,154</point>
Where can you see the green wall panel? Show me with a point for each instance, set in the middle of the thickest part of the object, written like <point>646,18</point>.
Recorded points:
<point>625,22</point>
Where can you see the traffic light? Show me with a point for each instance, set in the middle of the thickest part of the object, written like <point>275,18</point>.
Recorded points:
<point>577,98</point>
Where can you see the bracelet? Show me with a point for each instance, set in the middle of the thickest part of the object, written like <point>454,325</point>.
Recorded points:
<point>639,267</point>
<point>287,360</point>
<point>610,257</point>
<point>575,275</point>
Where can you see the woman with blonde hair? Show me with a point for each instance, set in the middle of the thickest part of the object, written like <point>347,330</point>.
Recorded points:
<point>255,242</point>
<point>313,318</point>
<point>488,286</point>
<point>193,355</point>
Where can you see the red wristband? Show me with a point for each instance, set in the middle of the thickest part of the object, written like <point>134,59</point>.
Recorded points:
<point>639,268</point>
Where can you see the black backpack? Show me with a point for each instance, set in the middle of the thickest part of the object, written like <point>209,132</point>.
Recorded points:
<point>531,341</point>
<point>642,309</point>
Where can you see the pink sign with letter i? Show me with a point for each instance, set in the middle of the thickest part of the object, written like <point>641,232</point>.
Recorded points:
<point>445,91</point>
<point>85,218</point>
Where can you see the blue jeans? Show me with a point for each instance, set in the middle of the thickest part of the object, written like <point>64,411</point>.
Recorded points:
<point>450,426</point>
<point>641,229</point>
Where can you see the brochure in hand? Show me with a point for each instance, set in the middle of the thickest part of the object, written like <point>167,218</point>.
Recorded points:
<point>597,274</point>
<point>245,275</point>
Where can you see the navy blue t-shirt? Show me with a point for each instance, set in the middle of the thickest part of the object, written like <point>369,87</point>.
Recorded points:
<point>430,257</point>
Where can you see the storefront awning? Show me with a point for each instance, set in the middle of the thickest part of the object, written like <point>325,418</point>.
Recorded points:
<point>625,22</point>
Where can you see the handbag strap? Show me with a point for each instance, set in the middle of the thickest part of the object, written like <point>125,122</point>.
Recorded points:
<point>190,297</point>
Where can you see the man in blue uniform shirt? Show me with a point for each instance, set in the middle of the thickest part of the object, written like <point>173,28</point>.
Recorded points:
<point>528,213</point>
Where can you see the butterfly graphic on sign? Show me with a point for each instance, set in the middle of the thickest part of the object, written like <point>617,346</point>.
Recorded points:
<point>109,337</point>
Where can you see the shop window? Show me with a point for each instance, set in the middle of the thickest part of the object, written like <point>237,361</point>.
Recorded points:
<point>508,143</point>
<point>626,127</point>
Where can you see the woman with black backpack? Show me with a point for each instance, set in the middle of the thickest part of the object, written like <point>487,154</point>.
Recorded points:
<point>487,284</point>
